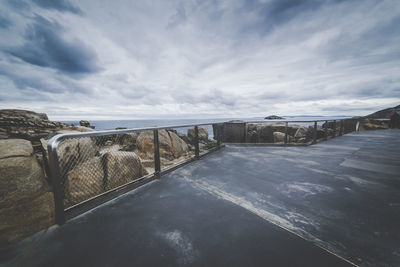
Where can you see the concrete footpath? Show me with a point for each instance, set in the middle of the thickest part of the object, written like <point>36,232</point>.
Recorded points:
<point>245,206</point>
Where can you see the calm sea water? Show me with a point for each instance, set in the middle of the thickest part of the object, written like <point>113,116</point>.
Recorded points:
<point>112,124</point>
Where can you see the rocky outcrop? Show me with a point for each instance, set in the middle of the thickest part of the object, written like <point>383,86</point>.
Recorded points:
<point>373,124</point>
<point>380,120</point>
<point>27,125</point>
<point>202,133</point>
<point>85,123</point>
<point>273,117</point>
<point>384,113</point>
<point>127,141</point>
<point>26,202</point>
<point>171,145</point>
<point>71,152</point>
<point>88,167</point>
<point>122,167</point>
<point>83,181</point>
<point>264,133</point>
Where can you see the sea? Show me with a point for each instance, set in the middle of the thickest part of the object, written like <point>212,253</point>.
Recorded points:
<point>130,124</point>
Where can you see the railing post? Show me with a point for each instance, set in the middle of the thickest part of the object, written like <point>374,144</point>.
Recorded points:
<point>286,132</point>
<point>219,135</point>
<point>196,142</point>
<point>341,128</point>
<point>326,130</point>
<point>56,183</point>
<point>157,164</point>
<point>315,133</point>
<point>334,128</point>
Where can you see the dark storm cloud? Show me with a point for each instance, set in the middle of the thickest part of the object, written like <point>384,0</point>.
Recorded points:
<point>18,5</point>
<point>273,13</point>
<point>5,22</point>
<point>178,17</point>
<point>59,5</point>
<point>45,47</point>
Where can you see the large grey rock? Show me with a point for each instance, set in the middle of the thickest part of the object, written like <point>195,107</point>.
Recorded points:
<point>279,137</point>
<point>72,152</point>
<point>374,124</point>
<point>15,147</point>
<point>32,126</point>
<point>203,135</point>
<point>26,124</point>
<point>85,123</point>
<point>26,203</point>
<point>264,133</point>
<point>85,180</point>
<point>301,133</point>
<point>171,145</point>
<point>122,167</point>
<point>127,141</point>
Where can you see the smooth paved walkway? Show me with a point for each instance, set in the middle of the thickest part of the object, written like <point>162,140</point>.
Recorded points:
<point>246,206</point>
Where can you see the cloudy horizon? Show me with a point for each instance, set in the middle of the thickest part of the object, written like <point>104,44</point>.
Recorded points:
<point>199,59</point>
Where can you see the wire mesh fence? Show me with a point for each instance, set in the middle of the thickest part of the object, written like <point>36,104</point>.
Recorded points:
<point>87,165</point>
<point>90,166</point>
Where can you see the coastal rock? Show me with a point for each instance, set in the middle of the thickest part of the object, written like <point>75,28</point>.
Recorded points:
<point>26,203</point>
<point>32,126</point>
<point>15,148</point>
<point>85,180</point>
<point>179,146</point>
<point>301,132</point>
<point>26,124</point>
<point>184,137</point>
<point>85,123</point>
<point>279,137</point>
<point>127,138</point>
<point>72,152</point>
<point>171,145</point>
<point>203,135</point>
<point>127,141</point>
<point>264,133</point>
<point>121,168</point>
<point>373,124</point>
<point>273,117</point>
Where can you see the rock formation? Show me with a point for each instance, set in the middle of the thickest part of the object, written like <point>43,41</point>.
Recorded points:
<point>88,167</point>
<point>171,145</point>
<point>384,113</point>
<point>273,117</point>
<point>202,133</point>
<point>264,133</point>
<point>28,125</point>
<point>121,167</point>
<point>379,120</point>
<point>86,124</point>
<point>26,202</point>
<point>374,124</point>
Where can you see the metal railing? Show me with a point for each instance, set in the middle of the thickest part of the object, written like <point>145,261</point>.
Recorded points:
<point>89,168</point>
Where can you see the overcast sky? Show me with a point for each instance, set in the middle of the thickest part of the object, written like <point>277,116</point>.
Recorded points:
<point>127,59</point>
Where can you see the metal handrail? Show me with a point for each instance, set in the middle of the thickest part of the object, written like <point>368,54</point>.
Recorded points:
<point>61,137</point>
<point>53,143</point>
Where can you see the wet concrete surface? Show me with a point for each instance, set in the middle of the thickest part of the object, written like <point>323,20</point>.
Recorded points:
<point>245,206</point>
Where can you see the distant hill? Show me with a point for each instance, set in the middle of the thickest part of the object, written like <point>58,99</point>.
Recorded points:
<point>384,113</point>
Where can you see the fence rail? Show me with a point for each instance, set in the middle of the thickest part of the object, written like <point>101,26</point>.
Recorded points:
<point>90,168</point>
